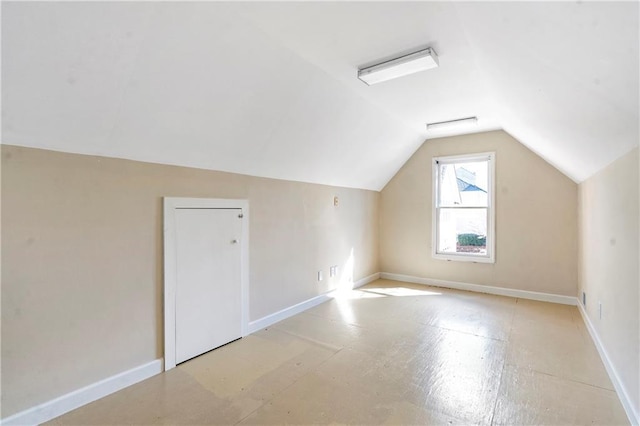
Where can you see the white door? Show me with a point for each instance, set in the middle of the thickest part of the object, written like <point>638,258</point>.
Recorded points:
<point>208,290</point>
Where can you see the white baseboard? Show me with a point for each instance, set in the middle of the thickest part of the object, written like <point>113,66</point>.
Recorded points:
<point>285,313</point>
<point>500,291</point>
<point>366,280</point>
<point>76,399</point>
<point>61,405</point>
<point>625,399</point>
<point>632,414</point>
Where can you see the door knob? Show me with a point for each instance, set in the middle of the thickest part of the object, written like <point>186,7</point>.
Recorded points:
<point>234,241</point>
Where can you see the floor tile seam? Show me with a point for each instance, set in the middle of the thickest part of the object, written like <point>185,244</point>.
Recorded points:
<point>256,409</point>
<point>339,320</point>
<point>508,342</point>
<point>259,363</point>
<point>462,332</point>
<point>325,345</point>
<point>281,391</point>
<point>517,329</point>
<point>460,421</point>
<point>568,379</point>
<point>521,316</point>
<point>371,325</point>
<point>386,295</point>
<point>512,318</point>
<point>495,404</point>
<point>247,358</point>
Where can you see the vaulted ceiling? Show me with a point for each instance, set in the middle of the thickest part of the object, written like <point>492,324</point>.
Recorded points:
<point>270,89</point>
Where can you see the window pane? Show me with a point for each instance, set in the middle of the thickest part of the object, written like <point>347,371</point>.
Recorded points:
<point>464,184</point>
<point>462,231</point>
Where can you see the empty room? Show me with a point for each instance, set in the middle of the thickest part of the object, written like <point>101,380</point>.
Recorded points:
<point>320,213</point>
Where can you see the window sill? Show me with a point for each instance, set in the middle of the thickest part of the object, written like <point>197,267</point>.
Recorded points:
<point>463,258</point>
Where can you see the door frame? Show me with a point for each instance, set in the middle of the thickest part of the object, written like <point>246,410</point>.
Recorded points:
<point>170,205</point>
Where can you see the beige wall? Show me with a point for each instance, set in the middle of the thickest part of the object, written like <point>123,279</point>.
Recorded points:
<point>536,219</point>
<point>609,254</point>
<point>82,265</point>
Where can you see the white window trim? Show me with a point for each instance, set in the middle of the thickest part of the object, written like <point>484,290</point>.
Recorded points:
<point>491,225</point>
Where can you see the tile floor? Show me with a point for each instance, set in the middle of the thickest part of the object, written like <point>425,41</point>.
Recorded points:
<point>388,353</point>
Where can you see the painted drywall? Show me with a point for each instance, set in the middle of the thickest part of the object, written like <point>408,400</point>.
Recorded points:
<point>82,259</point>
<point>609,253</point>
<point>536,219</point>
<point>191,84</point>
<point>262,88</point>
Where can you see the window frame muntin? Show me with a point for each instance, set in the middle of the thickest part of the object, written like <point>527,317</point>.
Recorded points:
<point>435,209</point>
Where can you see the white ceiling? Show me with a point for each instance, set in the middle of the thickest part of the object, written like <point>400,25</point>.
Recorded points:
<point>270,89</point>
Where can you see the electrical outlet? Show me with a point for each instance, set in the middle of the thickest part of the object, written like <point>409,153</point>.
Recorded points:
<point>584,299</point>
<point>333,271</point>
<point>320,277</point>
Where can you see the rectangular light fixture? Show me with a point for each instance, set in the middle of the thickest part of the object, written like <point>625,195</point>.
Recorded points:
<point>441,125</point>
<point>408,64</point>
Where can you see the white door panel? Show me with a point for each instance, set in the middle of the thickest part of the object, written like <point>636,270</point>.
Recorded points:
<point>208,291</point>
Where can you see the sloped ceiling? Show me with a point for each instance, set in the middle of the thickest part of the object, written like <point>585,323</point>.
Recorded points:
<point>270,89</point>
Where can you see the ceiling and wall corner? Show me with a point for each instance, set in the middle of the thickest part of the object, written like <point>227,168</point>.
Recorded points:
<point>270,89</point>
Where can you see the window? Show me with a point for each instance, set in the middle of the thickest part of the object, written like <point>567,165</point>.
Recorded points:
<point>463,217</point>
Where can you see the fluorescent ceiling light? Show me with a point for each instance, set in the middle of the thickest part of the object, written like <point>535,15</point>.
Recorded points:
<point>452,123</point>
<point>408,64</point>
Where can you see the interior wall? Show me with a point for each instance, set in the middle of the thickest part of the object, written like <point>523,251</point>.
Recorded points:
<point>82,259</point>
<point>536,219</point>
<point>609,275</point>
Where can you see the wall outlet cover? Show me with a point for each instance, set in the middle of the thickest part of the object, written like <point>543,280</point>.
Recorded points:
<point>333,271</point>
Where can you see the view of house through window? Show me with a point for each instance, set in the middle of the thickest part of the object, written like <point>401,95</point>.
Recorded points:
<point>462,206</point>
